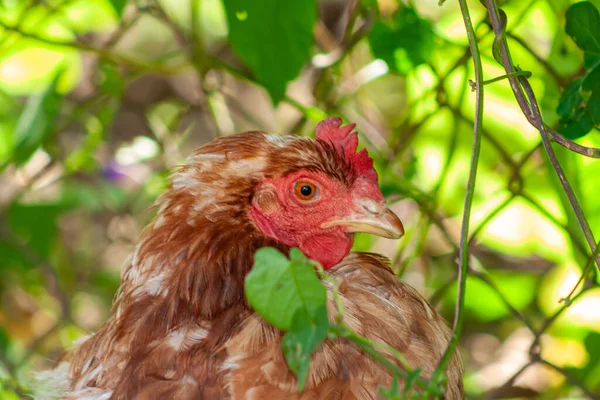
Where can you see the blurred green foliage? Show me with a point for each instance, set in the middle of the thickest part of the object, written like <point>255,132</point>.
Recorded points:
<point>99,99</point>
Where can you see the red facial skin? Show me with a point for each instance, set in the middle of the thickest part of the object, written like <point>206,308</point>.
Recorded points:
<point>280,214</point>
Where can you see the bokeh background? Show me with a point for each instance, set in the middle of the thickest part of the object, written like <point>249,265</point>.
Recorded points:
<point>99,99</point>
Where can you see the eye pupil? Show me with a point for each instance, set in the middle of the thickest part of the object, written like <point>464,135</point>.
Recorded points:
<point>306,190</point>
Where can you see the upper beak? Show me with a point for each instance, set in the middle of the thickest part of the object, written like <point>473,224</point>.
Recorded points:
<point>372,218</point>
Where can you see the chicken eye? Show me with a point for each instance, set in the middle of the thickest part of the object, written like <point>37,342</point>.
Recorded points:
<point>306,190</point>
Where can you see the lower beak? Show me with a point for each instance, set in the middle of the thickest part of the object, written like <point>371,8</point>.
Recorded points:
<point>378,220</point>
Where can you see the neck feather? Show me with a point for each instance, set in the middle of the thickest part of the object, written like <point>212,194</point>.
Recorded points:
<point>199,262</point>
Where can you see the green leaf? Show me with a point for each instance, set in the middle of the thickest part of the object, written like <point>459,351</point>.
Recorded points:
<point>591,80</point>
<point>591,90</point>
<point>4,341</point>
<point>273,38</point>
<point>119,7</point>
<point>580,125</point>
<point>289,295</point>
<point>35,225</point>
<point>577,117</point>
<point>411,380</point>
<point>299,343</point>
<point>36,122</point>
<point>278,288</point>
<point>369,3</point>
<point>393,392</point>
<point>405,43</point>
<point>594,107</point>
<point>111,81</point>
<point>583,25</point>
<point>589,60</point>
<point>570,100</point>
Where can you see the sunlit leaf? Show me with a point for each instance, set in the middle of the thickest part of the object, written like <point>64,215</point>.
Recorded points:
<point>280,289</point>
<point>289,295</point>
<point>36,122</point>
<point>90,16</point>
<point>405,43</point>
<point>273,38</point>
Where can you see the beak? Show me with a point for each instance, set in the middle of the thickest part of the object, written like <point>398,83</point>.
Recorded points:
<point>372,218</point>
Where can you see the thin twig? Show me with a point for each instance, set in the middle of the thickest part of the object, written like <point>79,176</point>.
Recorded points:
<point>552,218</point>
<point>491,215</point>
<point>100,52</point>
<point>349,40</point>
<point>570,299</point>
<point>484,278</point>
<point>486,134</point>
<point>492,394</point>
<point>573,380</point>
<point>501,78</point>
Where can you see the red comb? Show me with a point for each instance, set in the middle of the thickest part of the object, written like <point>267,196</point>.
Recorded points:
<point>345,142</point>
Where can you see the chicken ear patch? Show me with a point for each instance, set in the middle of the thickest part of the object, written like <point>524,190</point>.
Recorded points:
<point>345,142</point>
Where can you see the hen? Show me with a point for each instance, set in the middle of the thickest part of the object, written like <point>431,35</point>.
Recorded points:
<point>182,328</point>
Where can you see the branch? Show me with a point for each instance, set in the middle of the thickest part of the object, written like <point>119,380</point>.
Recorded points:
<point>499,25</point>
<point>532,112</point>
<point>497,392</point>
<point>349,40</point>
<point>561,81</point>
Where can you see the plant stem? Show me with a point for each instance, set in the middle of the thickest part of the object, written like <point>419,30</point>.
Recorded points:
<point>526,74</point>
<point>342,331</point>
<point>463,254</point>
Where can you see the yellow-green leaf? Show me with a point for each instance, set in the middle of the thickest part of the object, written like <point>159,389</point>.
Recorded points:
<point>36,121</point>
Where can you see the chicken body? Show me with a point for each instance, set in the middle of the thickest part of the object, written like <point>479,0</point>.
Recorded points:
<point>182,328</point>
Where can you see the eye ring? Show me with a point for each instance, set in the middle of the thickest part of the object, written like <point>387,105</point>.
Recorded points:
<point>305,190</point>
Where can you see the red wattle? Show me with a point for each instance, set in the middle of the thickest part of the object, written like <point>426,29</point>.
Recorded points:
<point>328,250</point>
